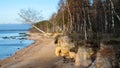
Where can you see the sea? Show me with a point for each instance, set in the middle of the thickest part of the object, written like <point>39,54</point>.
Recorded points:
<point>13,37</point>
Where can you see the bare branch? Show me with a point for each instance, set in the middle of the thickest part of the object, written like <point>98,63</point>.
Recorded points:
<point>31,16</point>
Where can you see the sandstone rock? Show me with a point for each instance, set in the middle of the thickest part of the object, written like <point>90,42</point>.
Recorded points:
<point>64,45</point>
<point>83,57</point>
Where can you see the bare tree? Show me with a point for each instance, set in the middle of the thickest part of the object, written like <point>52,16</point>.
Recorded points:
<point>31,16</point>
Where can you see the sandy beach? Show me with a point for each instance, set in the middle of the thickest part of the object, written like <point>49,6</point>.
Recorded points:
<point>38,55</point>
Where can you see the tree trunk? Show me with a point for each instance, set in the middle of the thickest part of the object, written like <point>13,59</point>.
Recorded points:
<point>38,29</point>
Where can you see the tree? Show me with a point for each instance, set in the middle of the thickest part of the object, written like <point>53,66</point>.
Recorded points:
<point>31,16</point>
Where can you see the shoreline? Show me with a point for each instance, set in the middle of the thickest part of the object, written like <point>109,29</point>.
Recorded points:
<point>40,54</point>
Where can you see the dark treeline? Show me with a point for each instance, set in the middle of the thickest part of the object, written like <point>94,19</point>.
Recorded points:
<point>90,18</point>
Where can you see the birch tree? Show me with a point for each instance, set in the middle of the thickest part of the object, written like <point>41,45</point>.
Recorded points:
<point>31,16</point>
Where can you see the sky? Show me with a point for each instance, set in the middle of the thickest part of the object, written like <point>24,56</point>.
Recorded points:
<point>9,9</point>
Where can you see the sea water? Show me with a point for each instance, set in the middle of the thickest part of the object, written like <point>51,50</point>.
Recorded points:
<point>13,37</point>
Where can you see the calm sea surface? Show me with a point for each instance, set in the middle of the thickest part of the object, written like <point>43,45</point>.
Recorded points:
<point>13,37</point>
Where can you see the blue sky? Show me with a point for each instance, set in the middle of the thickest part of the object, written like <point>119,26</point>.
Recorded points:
<point>9,9</point>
